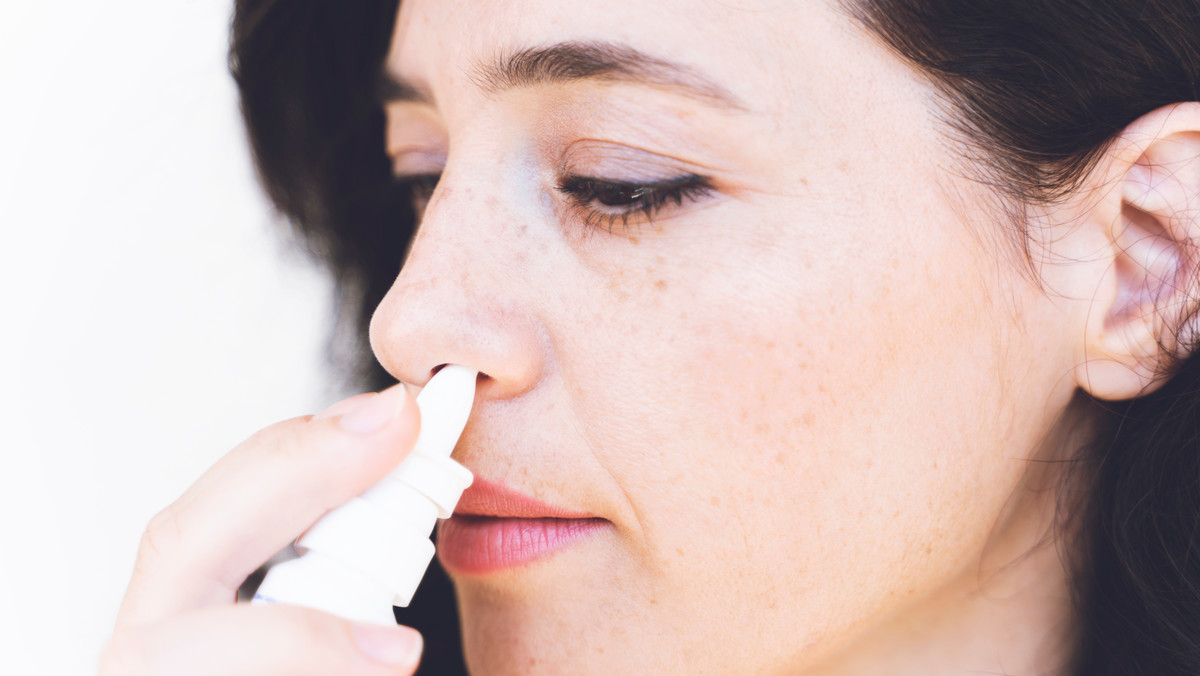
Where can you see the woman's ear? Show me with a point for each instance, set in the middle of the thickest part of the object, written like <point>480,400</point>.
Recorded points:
<point>1144,322</point>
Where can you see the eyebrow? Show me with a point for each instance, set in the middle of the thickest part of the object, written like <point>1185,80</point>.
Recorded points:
<point>566,62</point>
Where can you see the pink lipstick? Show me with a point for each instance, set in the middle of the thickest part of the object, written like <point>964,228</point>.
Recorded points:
<point>495,528</point>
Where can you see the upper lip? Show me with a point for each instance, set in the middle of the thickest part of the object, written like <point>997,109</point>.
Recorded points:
<point>487,498</point>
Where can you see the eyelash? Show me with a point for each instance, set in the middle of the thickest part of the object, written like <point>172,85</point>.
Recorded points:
<point>604,203</point>
<point>630,199</point>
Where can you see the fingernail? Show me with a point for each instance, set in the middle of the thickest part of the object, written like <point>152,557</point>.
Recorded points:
<point>344,405</point>
<point>395,646</point>
<point>371,414</point>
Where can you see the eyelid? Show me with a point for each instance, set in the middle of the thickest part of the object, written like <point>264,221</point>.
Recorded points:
<point>415,139</point>
<point>621,163</point>
<point>418,160</point>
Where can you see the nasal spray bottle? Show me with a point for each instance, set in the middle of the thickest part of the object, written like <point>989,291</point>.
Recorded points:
<point>371,553</point>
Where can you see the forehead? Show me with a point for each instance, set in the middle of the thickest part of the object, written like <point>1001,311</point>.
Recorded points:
<point>756,49</point>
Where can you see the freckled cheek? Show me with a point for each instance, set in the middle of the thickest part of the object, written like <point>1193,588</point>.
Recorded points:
<point>803,385</point>
<point>715,399</point>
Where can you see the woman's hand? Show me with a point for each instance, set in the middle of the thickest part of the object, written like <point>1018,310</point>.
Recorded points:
<point>179,617</point>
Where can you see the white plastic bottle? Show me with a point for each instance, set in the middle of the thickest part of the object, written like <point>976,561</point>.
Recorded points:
<point>371,553</point>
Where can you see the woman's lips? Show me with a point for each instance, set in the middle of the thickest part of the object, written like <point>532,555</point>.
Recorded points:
<point>494,528</point>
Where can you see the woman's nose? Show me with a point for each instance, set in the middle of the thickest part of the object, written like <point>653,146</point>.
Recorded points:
<point>460,299</point>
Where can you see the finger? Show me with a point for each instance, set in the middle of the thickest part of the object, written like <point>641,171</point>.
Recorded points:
<point>258,498</point>
<point>260,640</point>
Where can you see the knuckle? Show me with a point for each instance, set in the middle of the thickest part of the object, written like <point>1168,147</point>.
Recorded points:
<point>312,627</point>
<point>122,655</point>
<point>284,441</point>
<point>289,443</point>
<point>322,633</point>
<point>156,538</point>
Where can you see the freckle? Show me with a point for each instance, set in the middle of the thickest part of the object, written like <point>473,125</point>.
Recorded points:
<point>654,602</point>
<point>715,500</point>
<point>770,345</point>
<point>635,241</point>
<point>679,552</point>
<point>781,458</point>
<point>928,549</point>
<point>809,419</point>
<point>661,285</point>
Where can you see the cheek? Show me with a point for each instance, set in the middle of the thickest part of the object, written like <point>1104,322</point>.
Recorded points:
<point>830,411</point>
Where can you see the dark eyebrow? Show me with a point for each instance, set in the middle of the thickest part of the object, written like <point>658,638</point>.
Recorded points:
<point>572,61</point>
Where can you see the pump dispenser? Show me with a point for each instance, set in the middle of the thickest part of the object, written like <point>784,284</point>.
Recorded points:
<point>371,553</point>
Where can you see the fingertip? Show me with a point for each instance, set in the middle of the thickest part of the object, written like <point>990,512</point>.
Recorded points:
<point>392,646</point>
<point>371,415</point>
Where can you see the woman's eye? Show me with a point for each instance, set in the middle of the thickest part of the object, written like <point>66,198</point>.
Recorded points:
<point>601,202</point>
<point>617,194</point>
<point>607,203</point>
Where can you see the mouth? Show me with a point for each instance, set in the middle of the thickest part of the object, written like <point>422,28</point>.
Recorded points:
<point>495,528</point>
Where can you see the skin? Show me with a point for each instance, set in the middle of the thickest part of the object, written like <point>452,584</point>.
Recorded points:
<point>805,402</point>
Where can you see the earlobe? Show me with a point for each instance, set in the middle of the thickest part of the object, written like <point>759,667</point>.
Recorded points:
<point>1139,329</point>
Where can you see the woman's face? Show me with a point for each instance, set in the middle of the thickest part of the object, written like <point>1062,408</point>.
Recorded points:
<point>734,298</point>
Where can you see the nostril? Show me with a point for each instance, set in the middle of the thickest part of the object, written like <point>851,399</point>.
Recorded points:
<point>481,379</point>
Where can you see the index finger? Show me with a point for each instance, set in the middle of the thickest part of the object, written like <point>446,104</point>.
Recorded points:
<point>258,498</point>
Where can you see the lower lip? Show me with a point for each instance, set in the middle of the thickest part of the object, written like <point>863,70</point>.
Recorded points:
<point>477,545</point>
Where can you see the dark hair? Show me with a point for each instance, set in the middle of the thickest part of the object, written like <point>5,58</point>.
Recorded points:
<point>306,71</point>
<point>1034,90</point>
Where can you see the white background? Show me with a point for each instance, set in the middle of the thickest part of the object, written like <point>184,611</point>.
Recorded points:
<point>153,312</point>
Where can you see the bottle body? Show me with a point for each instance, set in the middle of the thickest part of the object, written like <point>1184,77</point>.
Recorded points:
<point>317,581</point>
<point>369,554</point>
